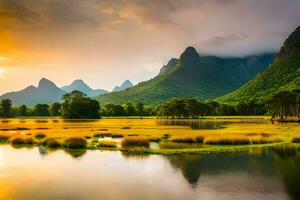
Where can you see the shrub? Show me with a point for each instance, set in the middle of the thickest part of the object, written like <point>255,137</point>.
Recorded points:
<point>52,143</point>
<point>126,127</point>
<point>97,135</point>
<point>264,140</point>
<point>29,140</point>
<point>154,139</point>
<point>183,139</point>
<point>88,137</point>
<point>134,142</point>
<point>117,136</point>
<point>17,141</point>
<point>40,136</point>
<point>199,138</point>
<point>107,144</point>
<point>75,143</point>
<point>227,140</point>
<point>296,140</point>
<point>3,138</point>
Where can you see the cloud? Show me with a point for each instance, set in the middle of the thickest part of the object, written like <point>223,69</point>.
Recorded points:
<point>114,37</point>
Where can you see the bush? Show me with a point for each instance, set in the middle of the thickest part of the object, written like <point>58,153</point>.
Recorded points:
<point>29,140</point>
<point>199,138</point>
<point>107,144</point>
<point>126,127</point>
<point>183,139</point>
<point>3,138</point>
<point>97,135</point>
<point>52,143</point>
<point>18,141</point>
<point>75,143</point>
<point>40,136</point>
<point>264,140</point>
<point>154,139</point>
<point>296,140</point>
<point>117,136</point>
<point>134,142</point>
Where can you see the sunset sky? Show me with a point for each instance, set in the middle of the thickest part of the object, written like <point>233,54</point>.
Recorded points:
<point>105,42</point>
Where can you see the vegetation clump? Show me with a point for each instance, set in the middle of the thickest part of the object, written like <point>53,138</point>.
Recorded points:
<point>22,141</point>
<point>4,138</point>
<point>107,144</point>
<point>183,139</point>
<point>134,142</point>
<point>227,140</point>
<point>52,143</point>
<point>40,136</point>
<point>75,143</point>
<point>296,140</point>
<point>264,140</point>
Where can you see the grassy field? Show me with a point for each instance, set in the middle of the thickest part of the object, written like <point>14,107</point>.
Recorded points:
<point>152,135</point>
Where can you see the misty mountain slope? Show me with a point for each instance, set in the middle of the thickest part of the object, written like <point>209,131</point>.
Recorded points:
<point>282,74</point>
<point>83,87</point>
<point>46,92</point>
<point>126,84</point>
<point>193,76</point>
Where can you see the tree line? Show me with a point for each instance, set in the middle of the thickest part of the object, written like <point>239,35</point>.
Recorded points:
<point>76,105</point>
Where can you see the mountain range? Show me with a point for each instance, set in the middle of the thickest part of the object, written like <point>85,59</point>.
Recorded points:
<point>47,92</point>
<point>282,74</point>
<point>126,84</point>
<point>192,75</point>
<point>83,87</point>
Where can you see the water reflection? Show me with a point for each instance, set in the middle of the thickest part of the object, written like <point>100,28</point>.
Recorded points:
<point>257,174</point>
<point>193,124</point>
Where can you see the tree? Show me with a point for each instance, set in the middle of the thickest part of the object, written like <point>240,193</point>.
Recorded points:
<point>6,107</point>
<point>77,106</point>
<point>129,109</point>
<point>23,110</point>
<point>140,109</point>
<point>41,110</point>
<point>55,108</point>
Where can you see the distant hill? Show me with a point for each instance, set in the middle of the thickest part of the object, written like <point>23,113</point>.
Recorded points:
<point>83,87</point>
<point>46,92</point>
<point>126,84</point>
<point>282,74</point>
<point>193,75</point>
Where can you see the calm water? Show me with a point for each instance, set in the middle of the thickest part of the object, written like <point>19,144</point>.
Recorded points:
<point>38,174</point>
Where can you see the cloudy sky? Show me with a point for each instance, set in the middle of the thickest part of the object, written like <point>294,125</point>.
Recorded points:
<point>105,42</point>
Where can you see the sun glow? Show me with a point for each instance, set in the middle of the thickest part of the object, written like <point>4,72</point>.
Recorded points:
<point>2,71</point>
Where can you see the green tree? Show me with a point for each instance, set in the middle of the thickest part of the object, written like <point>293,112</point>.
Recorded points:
<point>41,110</point>
<point>129,109</point>
<point>77,106</point>
<point>140,109</point>
<point>23,110</point>
<point>6,106</point>
<point>55,109</point>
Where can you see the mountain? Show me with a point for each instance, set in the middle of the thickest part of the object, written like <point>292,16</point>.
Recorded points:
<point>282,74</point>
<point>46,92</point>
<point>193,75</point>
<point>166,69</point>
<point>126,84</point>
<point>83,87</point>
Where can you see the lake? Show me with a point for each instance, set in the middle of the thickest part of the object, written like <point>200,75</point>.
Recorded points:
<point>36,173</point>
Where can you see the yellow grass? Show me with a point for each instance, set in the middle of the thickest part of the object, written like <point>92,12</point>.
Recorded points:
<point>256,129</point>
<point>107,144</point>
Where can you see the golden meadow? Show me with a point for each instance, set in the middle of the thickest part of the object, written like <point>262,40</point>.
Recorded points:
<point>150,135</point>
